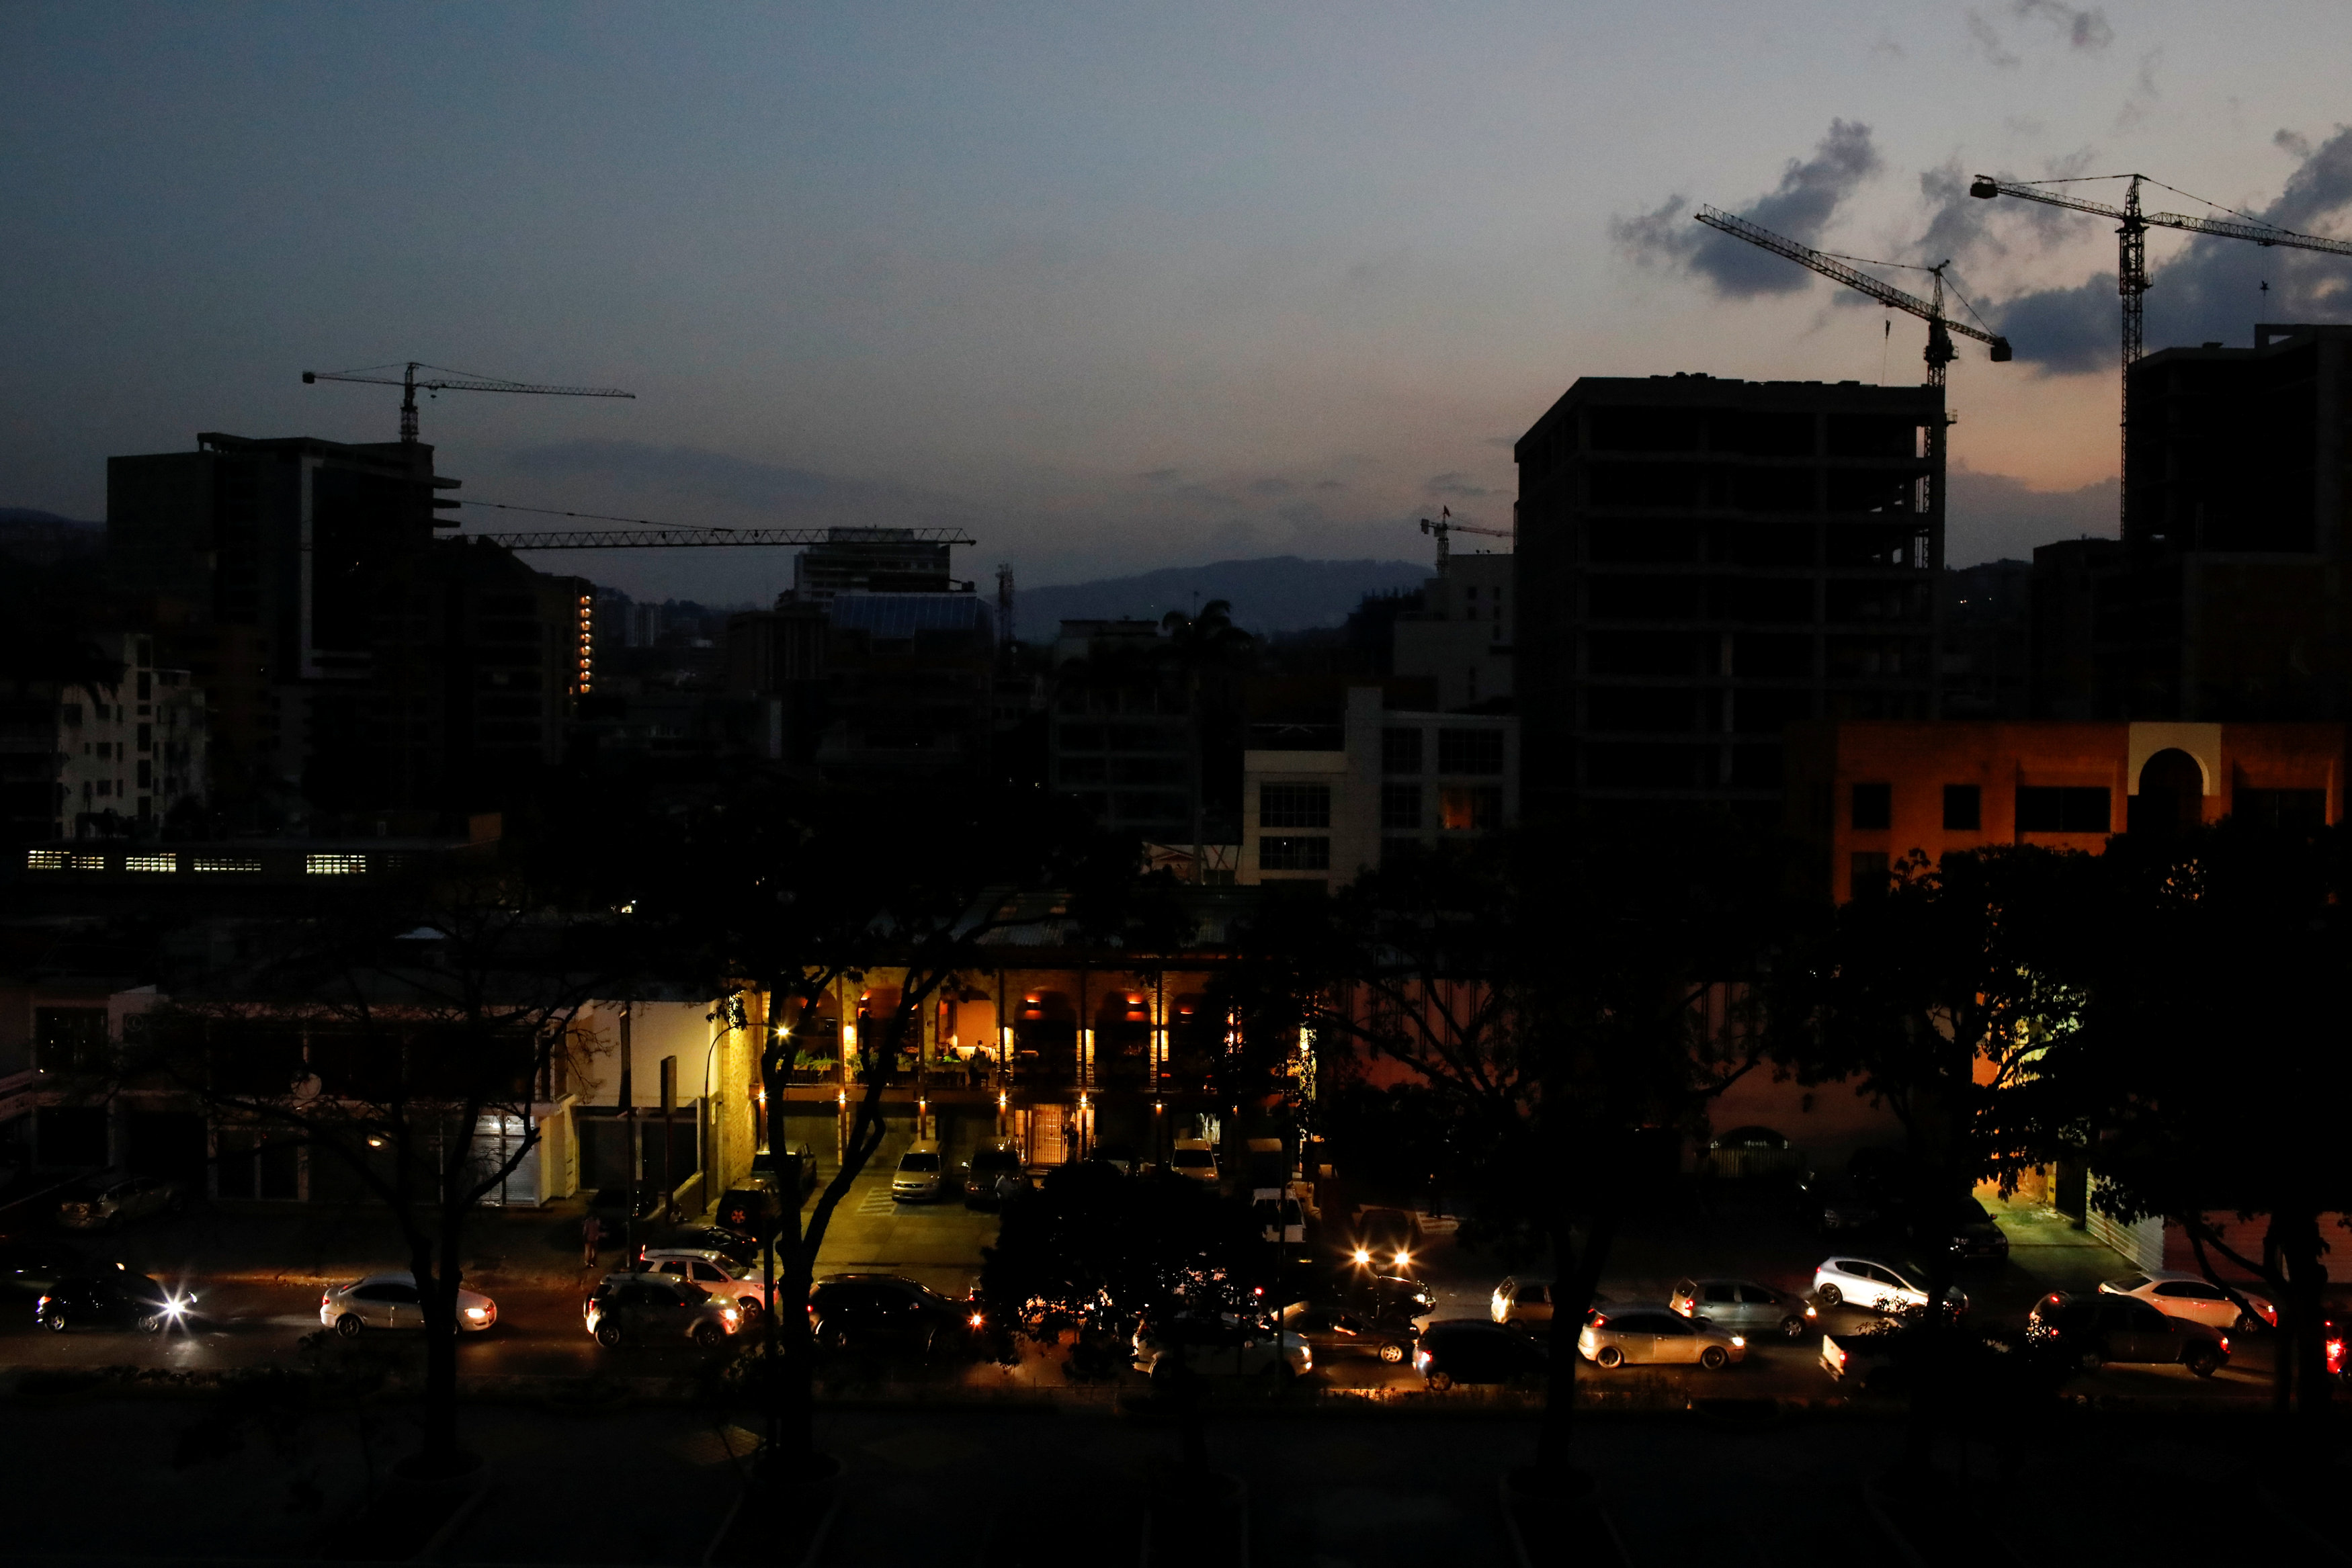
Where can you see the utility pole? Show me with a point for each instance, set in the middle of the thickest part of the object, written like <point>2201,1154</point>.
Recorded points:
<point>632,1161</point>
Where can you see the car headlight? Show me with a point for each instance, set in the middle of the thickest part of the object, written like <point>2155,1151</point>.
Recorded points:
<point>729,1314</point>
<point>174,1306</point>
<point>1738,1342</point>
<point>478,1313</point>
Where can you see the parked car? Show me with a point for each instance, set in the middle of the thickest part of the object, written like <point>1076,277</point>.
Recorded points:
<point>1221,1347</point>
<point>112,1201</point>
<point>655,1309</point>
<point>789,1170</point>
<point>1386,1238</point>
<point>739,1247</point>
<point>2097,1329</point>
<point>1527,1303</point>
<point>754,1211</point>
<point>1472,1349</point>
<point>888,1312</point>
<point>1194,1158</point>
<point>1879,1286</point>
<point>111,1297</point>
<point>29,1267</point>
<point>2194,1297</point>
<point>994,1176</point>
<point>1398,1302</point>
<point>923,1173</point>
<point>390,1300</point>
<point>715,1272</point>
<point>1744,1307</point>
<point>1334,1331</point>
<point>1653,1335</point>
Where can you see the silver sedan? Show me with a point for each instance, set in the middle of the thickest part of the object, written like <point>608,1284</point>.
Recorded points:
<point>1653,1335</point>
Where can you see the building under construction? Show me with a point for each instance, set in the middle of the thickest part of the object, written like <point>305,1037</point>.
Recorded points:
<point>2224,599</point>
<point>1703,561</point>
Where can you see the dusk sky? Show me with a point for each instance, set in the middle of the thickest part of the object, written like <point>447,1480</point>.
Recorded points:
<point>1114,288</point>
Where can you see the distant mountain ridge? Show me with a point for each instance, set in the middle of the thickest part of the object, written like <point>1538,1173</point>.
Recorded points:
<point>1273,593</point>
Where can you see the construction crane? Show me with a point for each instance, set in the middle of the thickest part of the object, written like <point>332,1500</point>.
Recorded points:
<point>453,381</point>
<point>2131,250</point>
<point>1445,526</point>
<point>1940,326</point>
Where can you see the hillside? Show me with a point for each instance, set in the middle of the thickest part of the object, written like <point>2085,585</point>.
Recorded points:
<point>1275,593</point>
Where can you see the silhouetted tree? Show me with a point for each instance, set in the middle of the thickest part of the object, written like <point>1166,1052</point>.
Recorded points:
<point>1942,998</point>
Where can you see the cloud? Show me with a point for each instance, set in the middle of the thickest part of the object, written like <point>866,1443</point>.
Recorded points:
<point>1800,205</point>
<point>1988,44</point>
<point>1270,486</point>
<point>2209,290</point>
<point>1992,517</point>
<point>2086,29</point>
<point>1158,476</point>
<point>1455,484</point>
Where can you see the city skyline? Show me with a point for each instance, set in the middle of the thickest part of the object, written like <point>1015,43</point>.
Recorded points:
<point>1114,293</point>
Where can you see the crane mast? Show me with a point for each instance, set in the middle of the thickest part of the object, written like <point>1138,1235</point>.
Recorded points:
<point>1443,527</point>
<point>2132,223</point>
<point>450,381</point>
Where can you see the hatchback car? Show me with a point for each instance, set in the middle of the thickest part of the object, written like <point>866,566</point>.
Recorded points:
<point>1523,1302</point>
<point>994,1176</point>
<point>923,1173</point>
<point>390,1300</point>
<point>2194,1297</point>
<point>1744,1307</point>
<point>1472,1350</point>
<point>1221,1347</point>
<point>1879,1286</point>
<point>739,1247</point>
<point>888,1312</point>
<point>1387,1238</point>
<point>1655,1336</point>
<point>111,1297</point>
<point>110,1202</point>
<point>791,1170</point>
<point>2098,1329</point>
<point>1334,1331</point>
<point>714,1273</point>
<point>1194,1158</point>
<point>657,1309</point>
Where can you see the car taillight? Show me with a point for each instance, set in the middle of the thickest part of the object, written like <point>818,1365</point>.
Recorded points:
<point>2225,1345</point>
<point>1420,1360</point>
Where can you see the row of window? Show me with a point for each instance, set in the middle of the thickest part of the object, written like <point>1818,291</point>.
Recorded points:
<point>1473,751</point>
<point>1461,808</point>
<point>2076,809</point>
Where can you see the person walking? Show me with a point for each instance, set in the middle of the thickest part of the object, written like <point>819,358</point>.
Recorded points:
<point>592,1233</point>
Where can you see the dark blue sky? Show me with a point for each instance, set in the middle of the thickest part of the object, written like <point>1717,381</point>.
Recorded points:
<point>1116,286</point>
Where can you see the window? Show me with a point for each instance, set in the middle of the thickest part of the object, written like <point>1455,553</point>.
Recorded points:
<point>2289,809</point>
<point>2044,809</point>
<point>1718,1293</point>
<point>1469,751</point>
<point>1400,751</point>
<point>1401,807</point>
<point>1866,873</point>
<point>1963,809</point>
<point>334,865</point>
<point>1293,805</point>
<point>165,862</point>
<point>1874,806</point>
<point>1470,808</point>
<point>1294,854</point>
<point>65,1040</point>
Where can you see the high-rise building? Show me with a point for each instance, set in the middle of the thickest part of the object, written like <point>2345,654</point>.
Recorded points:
<point>351,658</point>
<point>1702,562</point>
<point>2223,601</point>
<point>1461,638</point>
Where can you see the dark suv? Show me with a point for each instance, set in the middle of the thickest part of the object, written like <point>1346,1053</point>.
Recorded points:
<point>885,1313</point>
<point>1472,1350</point>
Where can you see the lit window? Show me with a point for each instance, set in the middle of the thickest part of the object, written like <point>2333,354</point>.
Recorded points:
<point>151,862</point>
<point>334,865</point>
<point>44,859</point>
<point>90,862</point>
<point>210,863</point>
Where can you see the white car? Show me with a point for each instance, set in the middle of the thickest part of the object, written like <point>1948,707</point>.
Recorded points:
<point>714,1274</point>
<point>1194,1158</point>
<point>921,1176</point>
<point>1880,1286</point>
<point>1223,1347</point>
<point>2190,1296</point>
<point>390,1300</point>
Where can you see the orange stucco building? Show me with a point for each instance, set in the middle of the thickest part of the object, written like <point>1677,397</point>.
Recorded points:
<point>1865,793</point>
